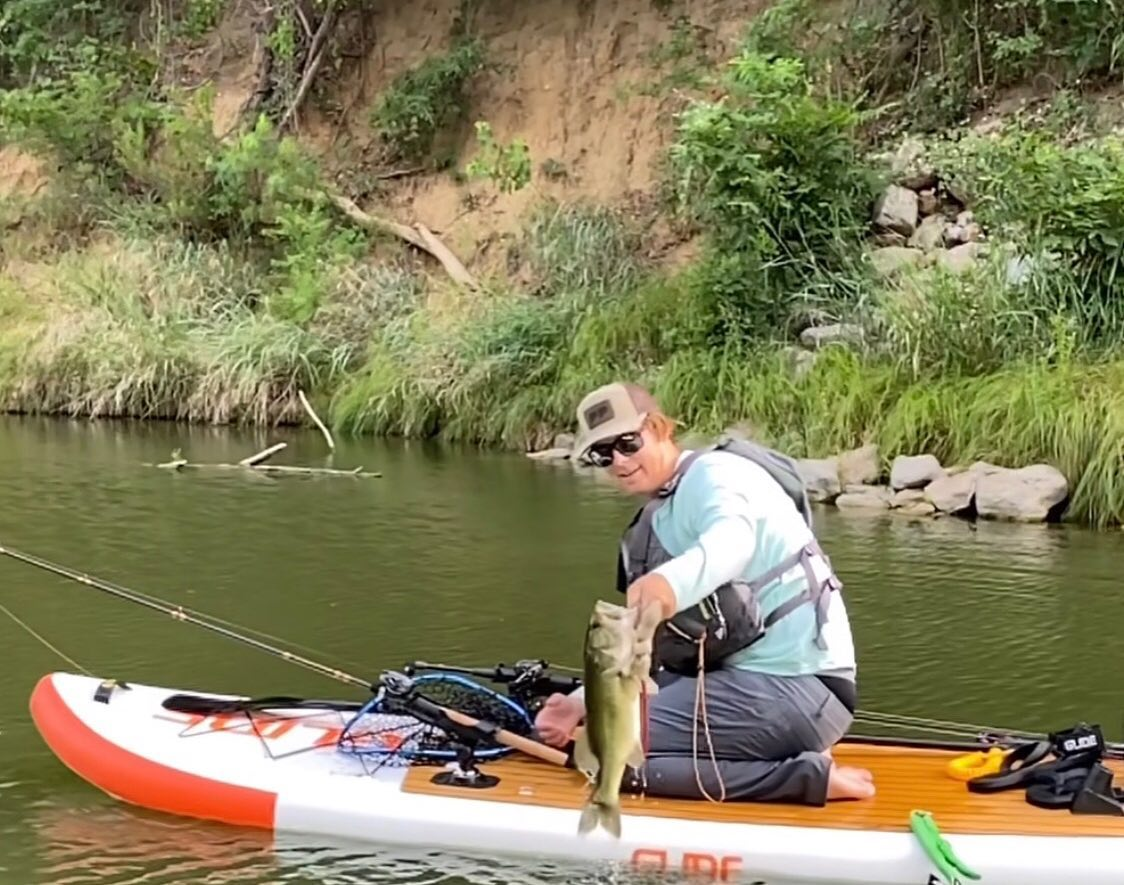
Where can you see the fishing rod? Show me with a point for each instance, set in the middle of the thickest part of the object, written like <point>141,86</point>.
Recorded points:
<point>398,689</point>
<point>179,613</point>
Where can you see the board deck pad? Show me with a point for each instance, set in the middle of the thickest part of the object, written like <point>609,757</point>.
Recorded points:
<point>906,779</point>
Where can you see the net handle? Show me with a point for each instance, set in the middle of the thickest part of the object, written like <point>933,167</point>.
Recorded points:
<point>515,741</point>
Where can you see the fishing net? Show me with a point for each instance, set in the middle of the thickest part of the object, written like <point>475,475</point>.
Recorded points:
<point>391,729</point>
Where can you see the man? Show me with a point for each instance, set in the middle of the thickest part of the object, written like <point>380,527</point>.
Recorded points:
<point>758,670</point>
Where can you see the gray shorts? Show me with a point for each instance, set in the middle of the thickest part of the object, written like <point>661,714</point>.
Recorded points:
<point>767,734</point>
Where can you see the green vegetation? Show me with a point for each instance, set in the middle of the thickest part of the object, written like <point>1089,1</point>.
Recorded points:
<point>208,278</point>
<point>426,99</point>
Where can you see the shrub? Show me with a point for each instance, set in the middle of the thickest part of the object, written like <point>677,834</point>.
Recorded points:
<point>425,99</point>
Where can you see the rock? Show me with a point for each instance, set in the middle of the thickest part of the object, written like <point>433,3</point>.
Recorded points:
<point>909,168</point>
<point>983,467</point>
<point>906,497</point>
<point>800,361</point>
<point>952,494</point>
<point>859,466</point>
<point>960,258</point>
<point>929,234</point>
<point>866,498</point>
<point>965,218</point>
<point>918,508</point>
<point>1019,270</point>
<point>564,441</point>
<point>914,471</point>
<point>821,478</point>
<point>896,210</point>
<point>815,337</point>
<point>554,454</point>
<point>1027,494</point>
<point>888,238</point>
<point>890,259</point>
<point>927,202</point>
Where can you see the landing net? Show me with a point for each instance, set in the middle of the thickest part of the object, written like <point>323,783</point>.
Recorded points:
<point>385,733</point>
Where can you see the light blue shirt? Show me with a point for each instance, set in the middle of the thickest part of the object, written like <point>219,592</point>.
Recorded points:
<point>730,519</point>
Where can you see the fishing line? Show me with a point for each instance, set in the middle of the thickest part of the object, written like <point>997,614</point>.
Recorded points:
<point>81,578</point>
<point>43,640</point>
<point>179,613</point>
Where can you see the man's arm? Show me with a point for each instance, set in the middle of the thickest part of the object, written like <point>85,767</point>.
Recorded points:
<point>721,516</point>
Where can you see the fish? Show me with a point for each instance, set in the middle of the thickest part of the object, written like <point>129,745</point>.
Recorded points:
<point>617,662</point>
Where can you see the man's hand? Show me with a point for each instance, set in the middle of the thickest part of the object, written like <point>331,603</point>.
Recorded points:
<point>652,588</point>
<point>558,718</point>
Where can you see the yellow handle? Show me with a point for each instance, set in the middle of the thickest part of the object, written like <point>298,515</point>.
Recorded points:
<point>973,765</point>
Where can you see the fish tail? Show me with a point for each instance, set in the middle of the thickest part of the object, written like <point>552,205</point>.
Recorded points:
<point>597,813</point>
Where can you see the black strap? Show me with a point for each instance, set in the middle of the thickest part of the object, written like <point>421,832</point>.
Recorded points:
<point>844,689</point>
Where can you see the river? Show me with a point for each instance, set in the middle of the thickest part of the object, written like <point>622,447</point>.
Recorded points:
<point>456,555</point>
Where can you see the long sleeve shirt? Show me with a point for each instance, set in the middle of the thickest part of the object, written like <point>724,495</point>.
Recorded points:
<point>730,519</point>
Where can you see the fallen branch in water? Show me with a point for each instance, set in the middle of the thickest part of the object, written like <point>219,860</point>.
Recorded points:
<point>263,455</point>
<point>254,464</point>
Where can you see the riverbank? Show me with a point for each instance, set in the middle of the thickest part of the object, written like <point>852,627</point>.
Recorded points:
<point>938,279</point>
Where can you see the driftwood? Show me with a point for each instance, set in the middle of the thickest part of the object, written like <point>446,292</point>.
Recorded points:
<point>263,455</point>
<point>418,236</point>
<point>256,464</point>
<point>312,414</point>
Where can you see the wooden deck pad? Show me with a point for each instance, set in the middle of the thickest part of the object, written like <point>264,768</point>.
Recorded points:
<point>906,778</point>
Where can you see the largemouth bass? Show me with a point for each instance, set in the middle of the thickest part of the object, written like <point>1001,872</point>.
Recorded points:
<point>617,664</point>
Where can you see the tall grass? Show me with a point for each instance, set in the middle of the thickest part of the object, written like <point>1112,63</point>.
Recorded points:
<point>171,330</point>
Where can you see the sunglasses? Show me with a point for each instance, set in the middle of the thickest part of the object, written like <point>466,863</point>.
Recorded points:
<point>601,454</point>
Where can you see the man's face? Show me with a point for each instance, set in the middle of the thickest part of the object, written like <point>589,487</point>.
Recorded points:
<point>637,462</point>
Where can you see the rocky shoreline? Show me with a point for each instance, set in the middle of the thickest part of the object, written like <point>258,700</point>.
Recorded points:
<point>917,485</point>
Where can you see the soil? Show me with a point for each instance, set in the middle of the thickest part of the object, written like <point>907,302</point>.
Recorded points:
<point>569,77</point>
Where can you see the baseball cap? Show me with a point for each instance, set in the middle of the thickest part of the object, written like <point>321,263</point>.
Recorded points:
<point>609,411</point>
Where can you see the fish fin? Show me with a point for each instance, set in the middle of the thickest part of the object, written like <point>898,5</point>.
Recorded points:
<point>636,755</point>
<point>585,760</point>
<point>594,814</point>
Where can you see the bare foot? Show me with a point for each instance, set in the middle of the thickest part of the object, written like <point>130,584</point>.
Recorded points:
<point>846,782</point>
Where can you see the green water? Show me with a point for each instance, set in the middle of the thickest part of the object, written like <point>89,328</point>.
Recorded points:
<point>453,555</point>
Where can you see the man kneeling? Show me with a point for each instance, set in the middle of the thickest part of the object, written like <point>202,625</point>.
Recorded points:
<point>724,545</point>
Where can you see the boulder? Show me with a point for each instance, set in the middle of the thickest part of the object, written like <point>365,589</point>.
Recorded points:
<point>815,337</point>
<point>906,497</point>
<point>821,478</point>
<point>863,497</point>
<point>930,235</point>
<point>918,508</point>
<point>960,258</point>
<point>888,260</point>
<point>859,466</point>
<point>914,471</point>
<point>927,202</point>
<point>800,361</point>
<point>888,238</point>
<point>897,209</point>
<point>909,167</point>
<point>952,494</point>
<point>1027,494</point>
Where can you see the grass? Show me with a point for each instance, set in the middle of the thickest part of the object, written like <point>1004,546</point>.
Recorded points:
<point>170,330</point>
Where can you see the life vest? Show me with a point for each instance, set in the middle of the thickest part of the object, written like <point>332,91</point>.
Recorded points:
<point>730,618</point>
